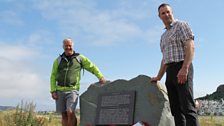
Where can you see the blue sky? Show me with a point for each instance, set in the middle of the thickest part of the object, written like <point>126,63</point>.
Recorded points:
<point>120,36</point>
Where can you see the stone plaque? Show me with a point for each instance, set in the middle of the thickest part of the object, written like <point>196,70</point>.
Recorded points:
<point>115,108</point>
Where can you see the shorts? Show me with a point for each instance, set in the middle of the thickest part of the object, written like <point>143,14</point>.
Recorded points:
<point>67,100</point>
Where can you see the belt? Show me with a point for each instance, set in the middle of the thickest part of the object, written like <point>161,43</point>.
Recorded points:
<point>174,63</point>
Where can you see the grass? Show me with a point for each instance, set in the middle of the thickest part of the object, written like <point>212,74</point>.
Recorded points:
<point>211,120</point>
<point>7,118</point>
<point>11,118</point>
<point>25,115</point>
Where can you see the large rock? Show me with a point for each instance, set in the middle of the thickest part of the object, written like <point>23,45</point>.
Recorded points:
<point>151,106</point>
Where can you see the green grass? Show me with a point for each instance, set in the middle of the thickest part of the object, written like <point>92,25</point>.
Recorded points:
<point>8,118</point>
<point>25,115</point>
<point>211,120</point>
<point>12,118</point>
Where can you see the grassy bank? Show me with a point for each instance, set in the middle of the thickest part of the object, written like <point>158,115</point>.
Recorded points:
<point>211,120</point>
<point>25,115</point>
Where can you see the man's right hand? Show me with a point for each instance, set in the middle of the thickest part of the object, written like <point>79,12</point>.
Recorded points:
<point>54,95</point>
<point>102,80</point>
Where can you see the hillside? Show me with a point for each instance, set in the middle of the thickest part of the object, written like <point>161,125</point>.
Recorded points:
<point>217,95</point>
<point>2,108</point>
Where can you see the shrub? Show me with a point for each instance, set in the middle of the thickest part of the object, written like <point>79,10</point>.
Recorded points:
<point>23,115</point>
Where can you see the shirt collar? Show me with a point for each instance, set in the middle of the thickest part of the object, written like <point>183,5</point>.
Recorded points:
<point>171,25</point>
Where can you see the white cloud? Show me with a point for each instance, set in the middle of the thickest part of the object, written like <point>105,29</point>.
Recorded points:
<point>17,76</point>
<point>40,38</point>
<point>15,84</point>
<point>15,52</point>
<point>10,17</point>
<point>152,35</point>
<point>100,27</point>
<point>22,63</point>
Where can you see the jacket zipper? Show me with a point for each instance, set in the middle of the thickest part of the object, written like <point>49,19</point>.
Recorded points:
<point>66,72</point>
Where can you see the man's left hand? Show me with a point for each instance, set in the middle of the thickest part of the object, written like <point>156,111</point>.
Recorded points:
<point>182,76</point>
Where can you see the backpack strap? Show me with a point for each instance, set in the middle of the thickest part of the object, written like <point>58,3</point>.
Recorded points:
<point>59,59</point>
<point>77,57</point>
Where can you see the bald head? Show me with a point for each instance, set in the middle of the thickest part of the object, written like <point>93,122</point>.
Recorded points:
<point>68,46</point>
<point>67,40</point>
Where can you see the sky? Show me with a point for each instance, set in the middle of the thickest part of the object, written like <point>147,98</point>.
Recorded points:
<point>120,36</point>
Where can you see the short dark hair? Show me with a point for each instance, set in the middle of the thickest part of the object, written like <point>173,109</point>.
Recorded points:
<point>163,5</point>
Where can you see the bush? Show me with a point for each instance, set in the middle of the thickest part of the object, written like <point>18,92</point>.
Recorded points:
<point>23,115</point>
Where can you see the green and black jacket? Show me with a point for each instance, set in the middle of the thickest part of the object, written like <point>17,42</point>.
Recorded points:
<point>66,72</point>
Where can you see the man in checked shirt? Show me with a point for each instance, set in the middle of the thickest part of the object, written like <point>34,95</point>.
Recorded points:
<point>177,46</point>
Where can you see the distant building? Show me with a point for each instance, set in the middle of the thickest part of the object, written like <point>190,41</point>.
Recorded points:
<point>211,107</point>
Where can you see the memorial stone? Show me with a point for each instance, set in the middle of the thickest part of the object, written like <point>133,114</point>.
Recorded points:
<point>151,101</point>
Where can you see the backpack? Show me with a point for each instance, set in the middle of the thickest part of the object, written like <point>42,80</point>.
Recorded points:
<point>78,58</point>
